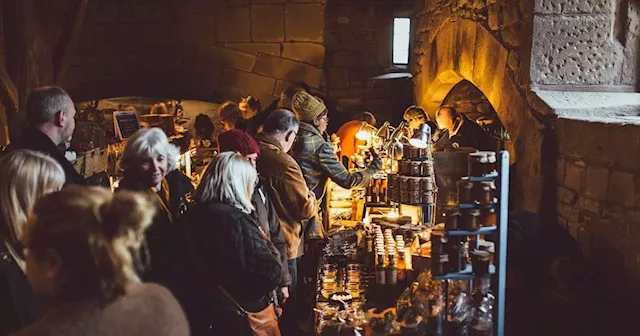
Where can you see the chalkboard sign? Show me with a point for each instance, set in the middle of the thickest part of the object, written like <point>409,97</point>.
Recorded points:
<point>125,123</point>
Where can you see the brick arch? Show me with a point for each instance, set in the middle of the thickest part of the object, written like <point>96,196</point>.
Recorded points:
<point>464,50</point>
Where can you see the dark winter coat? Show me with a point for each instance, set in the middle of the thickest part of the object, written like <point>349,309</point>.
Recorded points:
<point>34,139</point>
<point>18,304</point>
<point>267,217</point>
<point>467,134</point>
<point>228,250</point>
<point>162,235</point>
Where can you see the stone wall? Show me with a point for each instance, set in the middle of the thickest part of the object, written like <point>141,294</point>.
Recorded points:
<point>599,189</point>
<point>198,49</point>
<point>487,43</point>
<point>358,41</point>
<point>590,42</point>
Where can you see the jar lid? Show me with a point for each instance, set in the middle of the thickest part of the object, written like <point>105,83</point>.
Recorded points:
<point>472,212</point>
<point>480,255</point>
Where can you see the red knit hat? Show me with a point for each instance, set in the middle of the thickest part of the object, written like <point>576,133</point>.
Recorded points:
<point>236,140</point>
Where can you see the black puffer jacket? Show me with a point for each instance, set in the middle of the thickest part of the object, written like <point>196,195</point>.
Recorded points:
<point>229,250</point>
<point>162,235</point>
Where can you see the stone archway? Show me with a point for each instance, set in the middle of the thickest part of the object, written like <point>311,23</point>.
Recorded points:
<point>464,50</point>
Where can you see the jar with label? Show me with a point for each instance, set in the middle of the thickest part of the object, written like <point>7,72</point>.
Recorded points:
<point>416,168</point>
<point>483,192</point>
<point>464,192</point>
<point>405,167</point>
<point>488,217</point>
<point>426,184</point>
<point>404,183</point>
<point>404,196</point>
<point>451,217</point>
<point>413,184</point>
<point>427,168</point>
<point>468,219</point>
<point>415,197</point>
<point>427,197</point>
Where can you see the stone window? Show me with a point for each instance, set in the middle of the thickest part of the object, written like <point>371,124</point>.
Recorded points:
<point>401,39</point>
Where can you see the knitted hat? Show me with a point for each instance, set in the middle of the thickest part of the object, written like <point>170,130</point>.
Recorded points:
<point>236,140</point>
<point>306,106</point>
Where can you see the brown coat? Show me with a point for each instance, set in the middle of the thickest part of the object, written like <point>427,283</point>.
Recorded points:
<point>291,197</point>
<point>146,309</point>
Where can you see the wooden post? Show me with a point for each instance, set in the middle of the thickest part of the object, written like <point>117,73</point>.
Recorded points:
<point>29,55</point>
<point>68,41</point>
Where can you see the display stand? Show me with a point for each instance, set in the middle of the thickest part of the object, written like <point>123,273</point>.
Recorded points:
<point>497,271</point>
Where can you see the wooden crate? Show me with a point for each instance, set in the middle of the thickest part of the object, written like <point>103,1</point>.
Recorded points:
<point>78,164</point>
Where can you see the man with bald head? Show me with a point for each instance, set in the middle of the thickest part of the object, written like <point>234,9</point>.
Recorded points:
<point>51,122</point>
<point>461,131</point>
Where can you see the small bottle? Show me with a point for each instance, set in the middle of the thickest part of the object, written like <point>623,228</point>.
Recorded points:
<point>370,191</point>
<point>380,269</point>
<point>392,270</point>
<point>482,315</point>
<point>383,191</point>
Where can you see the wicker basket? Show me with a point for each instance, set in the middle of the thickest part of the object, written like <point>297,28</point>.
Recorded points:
<point>96,161</point>
<point>78,164</point>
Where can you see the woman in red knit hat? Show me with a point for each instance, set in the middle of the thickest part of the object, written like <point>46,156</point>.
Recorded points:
<point>265,214</point>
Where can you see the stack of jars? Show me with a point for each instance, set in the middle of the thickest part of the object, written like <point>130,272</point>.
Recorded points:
<point>414,183</point>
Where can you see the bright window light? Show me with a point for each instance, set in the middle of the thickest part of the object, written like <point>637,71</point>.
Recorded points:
<point>401,35</point>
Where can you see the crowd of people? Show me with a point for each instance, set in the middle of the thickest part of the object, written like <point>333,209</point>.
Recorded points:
<point>157,257</point>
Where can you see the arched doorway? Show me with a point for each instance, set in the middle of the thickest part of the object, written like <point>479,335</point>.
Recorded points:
<point>463,50</point>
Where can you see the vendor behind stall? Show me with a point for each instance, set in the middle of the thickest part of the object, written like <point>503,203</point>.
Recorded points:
<point>416,116</point>
<point>347,134</point>
<point>252,115</point>
<point>462,131</point>
<point>314,152</point>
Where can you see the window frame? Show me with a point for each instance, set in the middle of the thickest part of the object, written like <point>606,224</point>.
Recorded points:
<point>401,15</point>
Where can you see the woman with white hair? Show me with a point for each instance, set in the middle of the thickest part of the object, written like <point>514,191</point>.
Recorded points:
<point>233,259</point>
<point>26,176</point>
<point>149,164</point>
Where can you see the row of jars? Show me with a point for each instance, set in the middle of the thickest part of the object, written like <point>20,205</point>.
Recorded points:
<point>451,254</point>
<point>416,168</point>
<point>411,190</point>
<point>468,219</point>
<point>416,153</point>
<point>483,193</point>
<point>334,280</point>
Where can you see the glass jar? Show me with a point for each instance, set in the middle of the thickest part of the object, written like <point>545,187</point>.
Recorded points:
<point>426,184</point>
<point>464,192</point>
<point>451,217</point>
<point>468,219</point>
<point>416,168</point>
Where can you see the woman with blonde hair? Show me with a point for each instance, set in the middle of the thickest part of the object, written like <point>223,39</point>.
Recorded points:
<point>79,246</point>
<point>149,164</point>
<point>26,176</point>
<point>235,266</point>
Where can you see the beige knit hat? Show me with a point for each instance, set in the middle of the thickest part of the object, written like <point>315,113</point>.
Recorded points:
<point>306,106</point>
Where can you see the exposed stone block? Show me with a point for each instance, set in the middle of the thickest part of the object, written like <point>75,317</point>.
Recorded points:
<point>587,205</point>
<point>248,82</point>
<point>575,49</point>
<point>267,23</point>
<point>198,29</point>
<point>233,24</point>
<point>289,70</point>
<point>622,188</point>
<point>311,53</point>
<point>256,48</point>
<point>567,196</point>
<point>510,14</point>
<point>560,170</point>
<point>227,58</point>
<point>494,16</point>
<point>597,182</point>
<point>630,63</point>
<point>574,6</point>
<point>511,36</point>
<point>304,22</point>
<point>574,175</point>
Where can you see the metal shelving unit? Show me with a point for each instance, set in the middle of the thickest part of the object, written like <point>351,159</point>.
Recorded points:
<point>497,271</point>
